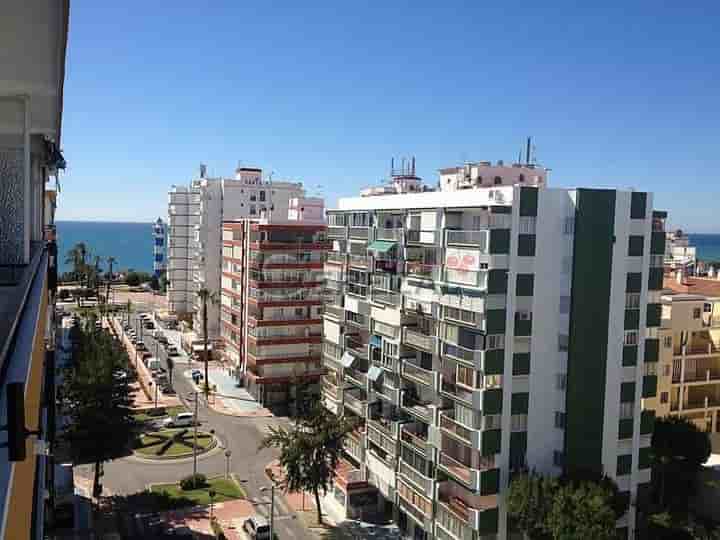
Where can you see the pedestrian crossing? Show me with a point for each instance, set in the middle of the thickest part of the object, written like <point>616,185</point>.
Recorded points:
<point>262,508</point>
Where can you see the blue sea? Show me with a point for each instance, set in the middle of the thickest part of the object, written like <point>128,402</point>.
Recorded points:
<point>130,243</point>
<point>708,246</point>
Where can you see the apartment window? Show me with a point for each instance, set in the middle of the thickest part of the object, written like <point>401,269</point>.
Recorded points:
<point>561,381</point>
<point>635,246</point>
<point>518,422</point>
<point>563,340</point>
<point>253,210</point>
<point>496,341</point>
<point>696,313</point>
<point>527,224</point>
<point>626,410</point>
<point>253,197</point>
<point>498,180</point>
<point>624,464</point>
<point>650,368</point>
<point>664,397</point>
<point>466,376</point>
<point>564,305</point>
<point>558,458</point>
<point>569,225</point>
<point>666,370</point>
<point>632,301</point>
<point>667,342</point>
<point>524,315</point>
<point>631,337</point>
<point>707,308</point>
<point>521,178</point>
<point>262,196</point>
<point>491,421</point>
<point>560,419</point>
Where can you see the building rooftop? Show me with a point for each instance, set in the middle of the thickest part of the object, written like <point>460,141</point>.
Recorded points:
<point>692,286</point>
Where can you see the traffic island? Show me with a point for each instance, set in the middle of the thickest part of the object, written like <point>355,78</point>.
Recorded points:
<point>173,444</point>
<point>222,489</point>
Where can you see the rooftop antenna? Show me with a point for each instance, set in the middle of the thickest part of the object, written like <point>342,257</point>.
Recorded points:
<point>527,151</point>
<point>413,166</point>
<point>520,156</point>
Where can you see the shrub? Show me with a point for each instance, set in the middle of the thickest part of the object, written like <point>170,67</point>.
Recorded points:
<point>193,481</point>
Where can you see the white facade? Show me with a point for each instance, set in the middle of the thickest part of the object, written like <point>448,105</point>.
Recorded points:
<point>492,329</point>
<point>679,254</point>
<point>196,214</point>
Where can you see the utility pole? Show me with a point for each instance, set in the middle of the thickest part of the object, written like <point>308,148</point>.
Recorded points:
<point>228,453</point>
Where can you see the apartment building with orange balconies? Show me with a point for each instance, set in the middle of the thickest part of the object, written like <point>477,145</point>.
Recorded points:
<point>271,303</point>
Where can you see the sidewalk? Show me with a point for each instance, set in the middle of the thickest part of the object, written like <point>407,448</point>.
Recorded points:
<point>229,399</point>
<point>230,515</point>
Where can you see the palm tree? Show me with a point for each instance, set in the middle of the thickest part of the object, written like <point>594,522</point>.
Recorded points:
<point>206,295</point>
<point>77,256</point>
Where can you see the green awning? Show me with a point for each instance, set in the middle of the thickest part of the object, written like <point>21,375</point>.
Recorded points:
<point>381,246</point>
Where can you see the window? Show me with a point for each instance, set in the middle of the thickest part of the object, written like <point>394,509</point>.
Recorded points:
<point>707,308</point>
<point>667,342</point>
<point>262,196</point>
<point>466,376</point>
<point>666,370</point>
<point>663,397</point>
<point>561,381</point>
<point>631,337</point>
<point>253,197</point>
<point>626,410</point>
<point>498,180</point>
<point>253,210</point>
<point>624,464</point>
<point>496,341</point>
<point>524,315</point>
<point>632,300</point>
<point>564,304</point>
<point>527,224</point>
<point>563,340</point>
<point>558,458</point>
<point>521,178</point>
<point>696,313</point>
<point>650,368</point>
<point>491,421</point>
<point>518,422</point>
<point>635,246</point>
<point>569,225</point>
<point>559,419</point>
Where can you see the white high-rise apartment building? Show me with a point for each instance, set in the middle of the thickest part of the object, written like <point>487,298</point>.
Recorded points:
<point>474,332</point>
<point>195,221</point>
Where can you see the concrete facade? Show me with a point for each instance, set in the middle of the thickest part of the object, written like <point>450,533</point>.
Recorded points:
<point>487,330</point>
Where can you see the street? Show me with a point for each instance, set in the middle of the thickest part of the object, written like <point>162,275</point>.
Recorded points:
<point>241,436</point>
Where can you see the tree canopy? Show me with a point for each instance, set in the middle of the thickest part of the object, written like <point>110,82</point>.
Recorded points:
<point>310,452</point>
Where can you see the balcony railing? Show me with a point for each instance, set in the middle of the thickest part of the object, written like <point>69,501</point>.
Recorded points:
<point>330,389</point>
<point>336,232</point>
<point>359,232</point>
<point>415,236</point>
<point>470,356</point>
<point>417,440</point>
<point>456,391</point>
<point>335,257</point>
<point>458,469</point>
<point>418,408</point>
<point>389,234</point>
<point>388,392</point>
<point>453,427</point>
<point>359,261</point>
<point>357,289</point>
<point>357,347</point>
<point>337,313</point>
<point>700,375</point>
<point>421,481</point>
<point>467,238</point>
<point>386,297</point>
<point>356,405</point>
<point>422,270</point>
<point>388,426</point>
<point>356,377</point>
<point>417,373</point>
<point>421,341</point>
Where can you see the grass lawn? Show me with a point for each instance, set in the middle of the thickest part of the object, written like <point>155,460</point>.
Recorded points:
<point>225,490</point>
<point>151,445</point>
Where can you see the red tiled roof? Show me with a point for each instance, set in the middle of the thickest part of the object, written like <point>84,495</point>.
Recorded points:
<point>693,285</point>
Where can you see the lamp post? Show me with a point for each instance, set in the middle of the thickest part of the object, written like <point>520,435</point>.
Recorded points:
<point>272,507</point>
<point>228,453</point>
<point>151,383</point>
<point>211,494</point>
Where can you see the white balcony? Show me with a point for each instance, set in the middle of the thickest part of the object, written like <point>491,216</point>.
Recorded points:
<point>473,238</point>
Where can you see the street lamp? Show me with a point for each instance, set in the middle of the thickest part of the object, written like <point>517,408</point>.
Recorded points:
<point>211,493</point>
<point>151,383</point>
<point>228,453</point>
<point>272,507</point>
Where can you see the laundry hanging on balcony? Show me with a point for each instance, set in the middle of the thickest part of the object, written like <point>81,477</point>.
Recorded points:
<point>374,373</point>
<point>347,360</point>
<point>381,246</point>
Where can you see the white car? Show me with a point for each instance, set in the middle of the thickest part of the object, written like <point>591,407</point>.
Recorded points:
<point>185,419</point>
<point>257,528</point>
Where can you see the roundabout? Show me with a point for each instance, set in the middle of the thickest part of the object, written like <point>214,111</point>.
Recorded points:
<point>170,444</point>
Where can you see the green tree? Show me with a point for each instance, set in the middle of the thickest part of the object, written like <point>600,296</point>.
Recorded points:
<point>679,450</point>
<point>77,257</point>
<point>100,420</point>
<point>155,283</point>
<point>206,296</point>
<point>581,511</point>
<point>310,451</point>
<point>132,279</point>
<point>109,278</point>
<point>530,497</point>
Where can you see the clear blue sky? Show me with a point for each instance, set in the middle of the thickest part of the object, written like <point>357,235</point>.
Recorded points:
<point>623,95</point>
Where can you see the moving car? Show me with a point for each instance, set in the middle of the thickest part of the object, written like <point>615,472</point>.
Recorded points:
<point>257,528</point>
<point>184,419</point>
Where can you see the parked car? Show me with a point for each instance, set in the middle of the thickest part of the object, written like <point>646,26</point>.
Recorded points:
<point>257,528</point>
<point>185,419</point>
<point>153,364</point>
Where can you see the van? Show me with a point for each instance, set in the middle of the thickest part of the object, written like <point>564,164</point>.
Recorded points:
<point>184,419</point>
<point>153,363</point>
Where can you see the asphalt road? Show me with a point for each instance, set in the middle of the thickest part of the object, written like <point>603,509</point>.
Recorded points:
<point>241,436</point>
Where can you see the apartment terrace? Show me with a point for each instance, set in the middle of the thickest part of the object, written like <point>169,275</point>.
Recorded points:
<point>462,513</point>
<point>415,435</point>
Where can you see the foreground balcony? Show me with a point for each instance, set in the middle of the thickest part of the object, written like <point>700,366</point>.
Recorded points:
<point>415,435</point>
<point>418,479</point>
<point>464,515</point>
<point>421,409</point>
<point>481,478</point>
<point>415,373</point>
<point>418,340</point>
<point>484,437</point>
